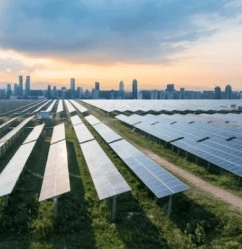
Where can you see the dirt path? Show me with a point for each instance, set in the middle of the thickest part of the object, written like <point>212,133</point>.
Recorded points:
<point>227,197</point>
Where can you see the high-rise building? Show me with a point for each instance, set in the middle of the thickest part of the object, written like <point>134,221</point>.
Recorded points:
<point>27,86</point>
<point>16,89</point>
<point>121,86</point>
<point>228,92</point>
<point>135,89</point>
<point>121,93</point>
<point>217,92</point>
<point>170,87</point>
<point>73,88</point>
<point>9,91</point>
<point>49,92</point>
<point>20,85</point>
<point>96,90</point>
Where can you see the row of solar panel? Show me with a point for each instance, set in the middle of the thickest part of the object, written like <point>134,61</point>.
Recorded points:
<point>157,179</point>
<point>201,139</point>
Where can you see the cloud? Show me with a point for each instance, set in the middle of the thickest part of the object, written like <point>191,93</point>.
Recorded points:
<point>108,31</point>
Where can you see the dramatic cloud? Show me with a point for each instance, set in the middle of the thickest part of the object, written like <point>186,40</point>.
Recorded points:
<point>109,31</point>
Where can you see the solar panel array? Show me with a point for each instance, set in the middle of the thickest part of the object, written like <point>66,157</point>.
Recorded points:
<point>164,105</point>
<point>14,131</point>
<point>69,106</point>
<point>56,177</point>
<point>7,122</point>
<point>42,106</point>
<point>157,179</point>
<point>92,120</point>
<point>58,133</point>
<point>60,107</point>
<point>82,133</point>
<point>75,120</point>
<point>78,106</point>
<point>214,141</point>
<point>51,106</point>
<point>13,169</point>
<point>107,180</point>
<point>31,107</point>
<point>104,131</point>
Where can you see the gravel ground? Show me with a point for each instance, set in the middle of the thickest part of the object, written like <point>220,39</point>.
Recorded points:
<point>234,201</point>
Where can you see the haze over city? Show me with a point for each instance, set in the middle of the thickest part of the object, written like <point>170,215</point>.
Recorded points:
<point>193,44</point>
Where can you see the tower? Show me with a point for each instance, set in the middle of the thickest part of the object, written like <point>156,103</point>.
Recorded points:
<point>27,86</point>
<point>20,85</point>
<point>73,88</point>
<point>135,89</point>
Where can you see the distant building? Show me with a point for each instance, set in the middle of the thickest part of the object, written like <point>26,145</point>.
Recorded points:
<point>73,88</point>
<point>9,91</point>
<point>228,92</point>
<point>79,92</point>
<point>49,92</point>
<point>16,89</point>
<point>20,85</point>
<point>121,92</point>
<point>96,90</point>
<point>217,92</point>
<point>135,89</point>
<point>27,86</point>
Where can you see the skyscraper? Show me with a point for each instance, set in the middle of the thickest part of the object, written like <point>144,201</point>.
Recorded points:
<point>96,90</point>
<point>20,85</point>
<point>27,86</point>
<point>135,89</point>
<point>217,92</point>
<point>228,92</point>
<point>73,88</point>
<point>121,90</point>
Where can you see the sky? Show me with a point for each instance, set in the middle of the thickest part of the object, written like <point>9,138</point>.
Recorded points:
<point>196,44</point>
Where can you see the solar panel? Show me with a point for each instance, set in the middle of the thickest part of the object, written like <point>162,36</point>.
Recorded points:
<point>78,106</point>
<point>11,172</point>
<point>69,106</point>
<point>43,105</point>
<point>92,120</point>
<point>106,178</point>
<point>60,107</point>
<point>75,120</point>
<point>82,133</point>
<point>34,134</point>
<point>106,133</point>
<point>7,122</point>
<point>14,131</point>
<point>56,177</point>
<point>49,109</point>
<point>58,133</point>
<point>157,179</point>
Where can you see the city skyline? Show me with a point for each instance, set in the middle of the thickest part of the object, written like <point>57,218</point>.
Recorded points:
<point>193,44</point>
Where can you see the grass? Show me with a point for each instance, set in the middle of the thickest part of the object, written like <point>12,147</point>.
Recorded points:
<point>197,220</point>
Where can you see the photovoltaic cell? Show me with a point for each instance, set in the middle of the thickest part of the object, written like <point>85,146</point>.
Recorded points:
<point>12,171</point>
<point>60,107</point>
<point>92,120</point>
<point>157,179</point>
<point>14,131</point>
<point>56,177</point>
<point>107,180</point>
<point>75,120</point>
<point>106,133</point>
<point>34,134</point>
<point>69,106</point>
<point>82,133</point>
<point>58,133</point>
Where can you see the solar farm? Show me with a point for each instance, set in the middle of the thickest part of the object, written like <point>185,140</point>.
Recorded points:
<point>84,177</point>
